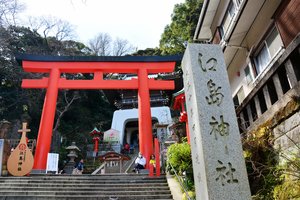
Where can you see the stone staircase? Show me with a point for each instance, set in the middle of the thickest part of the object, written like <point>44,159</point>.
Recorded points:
<point>110,187</point>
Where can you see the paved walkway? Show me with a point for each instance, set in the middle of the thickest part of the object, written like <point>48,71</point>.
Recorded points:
<point>174,187</point>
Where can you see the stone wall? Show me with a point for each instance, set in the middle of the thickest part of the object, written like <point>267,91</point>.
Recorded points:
<point>287,136</point>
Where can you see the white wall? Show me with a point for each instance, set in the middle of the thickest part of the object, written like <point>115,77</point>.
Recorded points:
<point>121,117</point>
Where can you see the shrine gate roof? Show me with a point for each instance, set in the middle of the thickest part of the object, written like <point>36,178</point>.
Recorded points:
<point>43,58</point>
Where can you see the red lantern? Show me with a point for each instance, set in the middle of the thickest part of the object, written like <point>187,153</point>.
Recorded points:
<point>96,137</point>
<point>183,117</point>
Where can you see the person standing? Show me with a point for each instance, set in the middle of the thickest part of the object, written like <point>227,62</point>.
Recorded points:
<point>78,168</point>
<point>140,163</point>
<point>126,148</point>
<point>152,161</point>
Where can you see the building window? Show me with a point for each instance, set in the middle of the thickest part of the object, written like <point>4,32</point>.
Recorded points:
<point>248,74</point>
<point>271,45</point>
<point>230,12</point>
<point>239,97</point>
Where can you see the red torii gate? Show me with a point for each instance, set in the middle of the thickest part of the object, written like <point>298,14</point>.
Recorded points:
<point>55,65</point>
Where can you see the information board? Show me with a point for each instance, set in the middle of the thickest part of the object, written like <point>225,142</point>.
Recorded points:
<point>52,162</point>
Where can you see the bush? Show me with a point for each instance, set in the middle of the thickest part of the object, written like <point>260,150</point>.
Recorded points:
<point>192,194</point>
<point>288,190</point>
<point>179,157</point>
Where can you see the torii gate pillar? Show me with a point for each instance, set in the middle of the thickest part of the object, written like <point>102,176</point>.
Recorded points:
<point>46,125</point>
<point>145,120</point>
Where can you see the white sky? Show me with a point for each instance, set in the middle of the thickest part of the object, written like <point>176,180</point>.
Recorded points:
<point>141,22</point>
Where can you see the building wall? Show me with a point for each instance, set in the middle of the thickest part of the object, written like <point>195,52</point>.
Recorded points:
<point>287,20</point>
<point>263,22</point>
<point>121,117</point>
<point>219,14</point>
<point>236,73</point>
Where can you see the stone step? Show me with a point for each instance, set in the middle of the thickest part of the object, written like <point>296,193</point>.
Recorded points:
<point>97,197</point>
<point>82,188</point>
<point>88,177</point>
<point>90,185</point>
<point>79,192</point>
<point>85,179</point>
<point>114,187</point>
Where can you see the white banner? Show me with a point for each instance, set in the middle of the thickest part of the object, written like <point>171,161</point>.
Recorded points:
<point>111,135</point>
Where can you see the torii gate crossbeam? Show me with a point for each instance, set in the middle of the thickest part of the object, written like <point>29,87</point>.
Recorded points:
<point>142,66</point>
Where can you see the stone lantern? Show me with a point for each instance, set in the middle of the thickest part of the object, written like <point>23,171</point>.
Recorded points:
<point>72,155</point>
<point>73,152</point>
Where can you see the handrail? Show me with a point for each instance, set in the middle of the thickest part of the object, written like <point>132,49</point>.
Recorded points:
<point>98,169</point>
<point>129,166</point>
<point>181,184</point>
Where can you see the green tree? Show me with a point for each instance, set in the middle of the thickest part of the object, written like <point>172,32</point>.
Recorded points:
<point>148,52</point>
<point>18,103</point>
<point>182,28</point>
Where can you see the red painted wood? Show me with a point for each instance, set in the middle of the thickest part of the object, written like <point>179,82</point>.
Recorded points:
<point>145,121</point>
<point>55,82</point>
<point>47,120</point>
<point>96,84</point>
<point>91,67</point>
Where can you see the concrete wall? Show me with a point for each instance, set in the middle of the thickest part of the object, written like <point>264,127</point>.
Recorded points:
<point>287,133</point>
<point>287,138</point>
<point>121,117</point>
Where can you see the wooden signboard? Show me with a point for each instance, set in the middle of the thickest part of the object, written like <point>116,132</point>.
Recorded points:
<point>20,161</point>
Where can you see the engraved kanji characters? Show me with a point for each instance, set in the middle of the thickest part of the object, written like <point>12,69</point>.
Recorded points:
<point>221,128</point>
<point>225,174</point>
<point>215,97</point>
<point>210,63</point>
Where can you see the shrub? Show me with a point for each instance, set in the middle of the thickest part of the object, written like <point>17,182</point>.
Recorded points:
<point>179,157</point>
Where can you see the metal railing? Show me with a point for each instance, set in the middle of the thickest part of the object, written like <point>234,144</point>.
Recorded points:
<point>181,183</point>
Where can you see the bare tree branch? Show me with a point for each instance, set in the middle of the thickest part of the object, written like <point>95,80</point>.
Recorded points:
<point>52,26</point>
<point>101,44</point>
<point>122,47</point>
<point>68,102</point>
<point>9,10</point>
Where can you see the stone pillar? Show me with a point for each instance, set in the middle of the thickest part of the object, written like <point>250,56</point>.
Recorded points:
<point>267,96</point>
<point>218,163</point>
<point>249,113</point>
<point>277,85</point>
<point>290,72</point>
<point>257,106</point>
<point>243,123</point>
